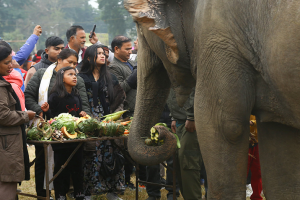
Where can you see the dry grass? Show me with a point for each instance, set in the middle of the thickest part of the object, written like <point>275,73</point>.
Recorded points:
<point>29,186</point>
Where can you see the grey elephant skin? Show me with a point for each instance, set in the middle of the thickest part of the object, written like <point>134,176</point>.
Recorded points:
<point>243,57</point>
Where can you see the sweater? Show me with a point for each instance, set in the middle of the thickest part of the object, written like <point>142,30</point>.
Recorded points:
<point>44,63</point>
<point>32,91</point>
<point>123,72</point>
<point>69,104</point>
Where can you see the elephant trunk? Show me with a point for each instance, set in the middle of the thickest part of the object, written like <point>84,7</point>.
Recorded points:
<point>152,93</point>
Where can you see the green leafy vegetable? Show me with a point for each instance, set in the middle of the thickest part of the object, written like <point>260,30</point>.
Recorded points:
<point>65,119</point>
<point>70,127</point>
<point>33,134</point>
<point>57,125</point>
<point>89,126</point>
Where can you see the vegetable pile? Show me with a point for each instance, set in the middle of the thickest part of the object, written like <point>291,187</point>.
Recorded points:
<point>66,127</point>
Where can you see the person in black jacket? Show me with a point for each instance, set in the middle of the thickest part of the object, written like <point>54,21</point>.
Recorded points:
<point>105,96</point>
<point>64,98</point>
<point>54,45</point>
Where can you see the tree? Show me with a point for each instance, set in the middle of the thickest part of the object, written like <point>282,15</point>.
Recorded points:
<point>82,13</point>
<point>55,16</point>
<point>11,11</point>
<point>14,36</point>
<point>116,17</point>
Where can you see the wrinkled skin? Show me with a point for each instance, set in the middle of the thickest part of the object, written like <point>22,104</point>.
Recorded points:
<point>245,60</point>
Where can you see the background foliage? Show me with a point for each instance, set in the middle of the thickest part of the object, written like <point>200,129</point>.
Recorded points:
<point>117,18</point>
<point>19,17</point>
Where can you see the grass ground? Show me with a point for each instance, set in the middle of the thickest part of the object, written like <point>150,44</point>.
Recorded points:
<point>29,187</point>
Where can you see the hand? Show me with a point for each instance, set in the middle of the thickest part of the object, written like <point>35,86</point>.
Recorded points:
<point>82,114</point>
<point>173,126</point>
<point>94,38</point>
<point>41,114</point>
<point>251,123</point>
<point>15,64</point>
<point>30,114</point>
<point>190,126</point>
<point>45,107</point>
<point>37,30</point>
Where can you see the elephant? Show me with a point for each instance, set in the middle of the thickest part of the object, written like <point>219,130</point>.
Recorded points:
<point>242,57</point>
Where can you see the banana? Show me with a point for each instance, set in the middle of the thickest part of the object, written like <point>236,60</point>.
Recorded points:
<point>114,116</point>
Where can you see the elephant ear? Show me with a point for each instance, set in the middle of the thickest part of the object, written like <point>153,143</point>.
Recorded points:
<point>150,17</point>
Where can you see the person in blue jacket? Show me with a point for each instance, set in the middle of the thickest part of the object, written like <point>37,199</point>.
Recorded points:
<point>26,49</point>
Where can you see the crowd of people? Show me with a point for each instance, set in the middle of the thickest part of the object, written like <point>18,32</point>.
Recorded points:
<point>96,81</point>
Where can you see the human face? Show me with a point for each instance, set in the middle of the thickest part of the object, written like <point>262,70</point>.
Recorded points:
<point>53,52</point>
<point>79,39</point>
<point>136,44</point>
<point>6,66</point>
<point>100,57</point>
<point>124,52</point>
<point>106,56</point>
<point>70,61</point>
<point>70,78</point>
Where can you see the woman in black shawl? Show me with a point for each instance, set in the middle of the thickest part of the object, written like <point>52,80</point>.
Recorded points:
<point>105,96</point>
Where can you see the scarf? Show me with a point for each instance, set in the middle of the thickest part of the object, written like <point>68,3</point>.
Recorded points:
<point>44,85</point>
<point>43,97</point>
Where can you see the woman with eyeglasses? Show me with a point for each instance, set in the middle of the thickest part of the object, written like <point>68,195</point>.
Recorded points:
<point>105,96</point>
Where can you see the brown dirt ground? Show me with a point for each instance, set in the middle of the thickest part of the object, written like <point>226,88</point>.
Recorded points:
<point>29,186</point>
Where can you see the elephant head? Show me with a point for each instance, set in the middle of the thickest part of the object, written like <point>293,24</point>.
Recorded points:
<point>150,14</point>
<point>164,30</point>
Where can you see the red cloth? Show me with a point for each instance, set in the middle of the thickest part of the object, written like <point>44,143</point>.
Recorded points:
<point>15,79</point>
<point>24,72</point>
<point>254,165</point>
<point>37,58</point>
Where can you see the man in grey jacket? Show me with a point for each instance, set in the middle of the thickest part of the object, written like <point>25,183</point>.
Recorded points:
<point>124,69</point>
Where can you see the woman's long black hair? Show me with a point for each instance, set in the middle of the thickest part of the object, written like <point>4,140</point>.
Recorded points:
<point>89,65</point>
<point>59,86</point>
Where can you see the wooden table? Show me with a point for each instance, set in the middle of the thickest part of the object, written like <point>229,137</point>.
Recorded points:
<point>46,143</point>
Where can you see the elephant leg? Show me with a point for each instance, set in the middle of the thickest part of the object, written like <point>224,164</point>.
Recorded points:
<point>224,99</point>
<point>279,156</point>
